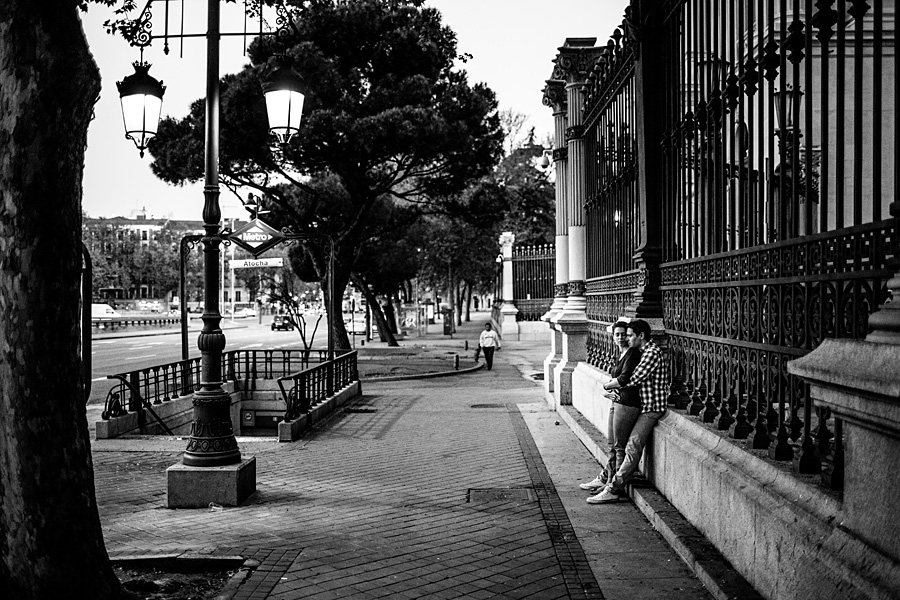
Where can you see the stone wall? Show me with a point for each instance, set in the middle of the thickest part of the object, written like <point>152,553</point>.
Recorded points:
<point>784,536</point>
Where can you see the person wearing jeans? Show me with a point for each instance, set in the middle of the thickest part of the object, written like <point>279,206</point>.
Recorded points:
<point>623,411</point>
<point>488,342</point>
<point>650,377</point>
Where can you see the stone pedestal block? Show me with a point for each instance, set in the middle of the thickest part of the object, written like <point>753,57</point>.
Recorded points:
<point>509,327</point>
<point>859,382</point>
<point>196,487</point>
<point>552,360</point>
<point>574,329</point>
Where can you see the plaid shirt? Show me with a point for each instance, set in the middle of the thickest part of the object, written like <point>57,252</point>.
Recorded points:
<point>650,374</point>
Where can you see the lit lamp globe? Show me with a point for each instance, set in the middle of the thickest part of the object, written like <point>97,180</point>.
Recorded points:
<point>141,95</point>
<point>284,101</point>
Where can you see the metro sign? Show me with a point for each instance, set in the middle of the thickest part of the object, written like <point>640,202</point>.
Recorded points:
<point>256,237</point>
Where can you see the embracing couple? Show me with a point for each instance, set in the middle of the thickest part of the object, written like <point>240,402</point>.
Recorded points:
<point>638,392</point>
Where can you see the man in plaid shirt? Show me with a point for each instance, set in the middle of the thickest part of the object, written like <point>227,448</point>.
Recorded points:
<point>650,375</point>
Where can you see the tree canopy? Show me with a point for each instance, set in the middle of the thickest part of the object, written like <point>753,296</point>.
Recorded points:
<point>390,121</point>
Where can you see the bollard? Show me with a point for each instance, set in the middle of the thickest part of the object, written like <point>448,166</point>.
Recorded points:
<point>467,344</point>
<point>456,362</point>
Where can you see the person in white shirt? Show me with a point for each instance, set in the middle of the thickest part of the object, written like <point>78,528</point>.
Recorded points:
<point>488,342</point>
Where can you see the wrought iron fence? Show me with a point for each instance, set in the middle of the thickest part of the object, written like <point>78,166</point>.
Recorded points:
<point>534,272</point>
<point>315,384</point>
<point>163,383</point>
<point>763,133</point>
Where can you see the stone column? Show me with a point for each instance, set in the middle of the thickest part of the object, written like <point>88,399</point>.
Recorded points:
<point>574,62</point>
<point>555,97</point>
<point>509,327</point>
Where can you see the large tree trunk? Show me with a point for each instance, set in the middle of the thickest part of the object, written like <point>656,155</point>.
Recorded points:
<point>50,538</point>
<point>384,331</point>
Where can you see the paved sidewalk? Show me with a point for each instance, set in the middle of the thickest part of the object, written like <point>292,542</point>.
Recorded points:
<point>458,487</point>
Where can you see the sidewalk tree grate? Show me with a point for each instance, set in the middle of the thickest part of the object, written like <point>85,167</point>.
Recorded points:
<point>500,495</point>
<point>488,406</point>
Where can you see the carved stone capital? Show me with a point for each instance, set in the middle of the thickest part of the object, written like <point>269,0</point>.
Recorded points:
<point>560,153</point>
<point>576,60</point>
<point>555,95</point>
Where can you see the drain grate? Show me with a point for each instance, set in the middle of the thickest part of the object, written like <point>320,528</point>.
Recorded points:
<point>500,495</point>
<point>487,406</point>
<point>360,410</point>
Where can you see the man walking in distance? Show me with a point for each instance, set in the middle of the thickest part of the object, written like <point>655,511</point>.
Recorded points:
<point>488,342</point>
<point>624,409</point>
<point>650,377</point>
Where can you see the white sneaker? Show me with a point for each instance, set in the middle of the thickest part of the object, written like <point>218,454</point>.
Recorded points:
<point>592,486</point>
<point>605,497</point>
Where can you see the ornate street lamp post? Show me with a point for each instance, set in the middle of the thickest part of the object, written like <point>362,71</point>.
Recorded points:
<point>212,442</point>
<point>141,96</point>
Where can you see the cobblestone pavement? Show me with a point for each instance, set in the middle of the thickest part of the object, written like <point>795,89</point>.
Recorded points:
<point>460,487</point>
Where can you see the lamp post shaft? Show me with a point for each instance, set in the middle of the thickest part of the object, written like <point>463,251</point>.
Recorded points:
<point>212,441</point>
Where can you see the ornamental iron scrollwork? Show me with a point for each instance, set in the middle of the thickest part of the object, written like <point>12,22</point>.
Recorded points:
<point>575,132</point>
<point>735,320</point>
<point>576,288</point>
<point>608,297</point>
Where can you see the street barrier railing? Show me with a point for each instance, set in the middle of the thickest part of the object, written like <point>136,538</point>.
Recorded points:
<point>314,385</point>
<point>158,384</point>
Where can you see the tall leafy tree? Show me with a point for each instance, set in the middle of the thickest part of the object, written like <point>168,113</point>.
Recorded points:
<point>517,196</point>
<point>389,120</point>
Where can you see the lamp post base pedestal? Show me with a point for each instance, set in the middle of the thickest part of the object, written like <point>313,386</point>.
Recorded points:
<point>197,487</point>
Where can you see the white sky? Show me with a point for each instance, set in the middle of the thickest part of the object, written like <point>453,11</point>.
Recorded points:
<point>512,42</point>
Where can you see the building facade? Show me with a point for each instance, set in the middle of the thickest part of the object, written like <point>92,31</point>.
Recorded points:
<point>719,178</point>
<point>138,259</point>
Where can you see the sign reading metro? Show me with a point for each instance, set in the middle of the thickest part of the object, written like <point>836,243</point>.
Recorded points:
<point>256,237</point>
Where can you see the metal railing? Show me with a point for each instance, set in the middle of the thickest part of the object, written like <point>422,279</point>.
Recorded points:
<point>142,388</point>
<point>314,385</point>
<point>744,205</point>
<point>534,274</point>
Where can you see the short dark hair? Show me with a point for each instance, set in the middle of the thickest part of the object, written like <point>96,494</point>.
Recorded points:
<point>640,326</point>
<point>488,325</point>
<point>620,325</point>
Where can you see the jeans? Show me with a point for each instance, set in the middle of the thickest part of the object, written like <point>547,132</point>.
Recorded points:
<point>640,435</point>
<point>621,422</point>
<point>488,352</point>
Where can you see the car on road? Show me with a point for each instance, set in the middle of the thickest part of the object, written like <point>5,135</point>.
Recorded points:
<point>357,325</point>
<point>103,312</point>
<point>282,323</point>
<point>244,313</point>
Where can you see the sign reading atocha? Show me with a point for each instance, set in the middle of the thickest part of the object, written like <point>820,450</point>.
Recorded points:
<point>251,263</point>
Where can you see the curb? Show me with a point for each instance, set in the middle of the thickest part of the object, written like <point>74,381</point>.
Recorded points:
<point>702,558</point>
<point>192,563</point>
<point>424,375</point>
<point>177,331</point>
